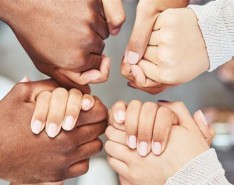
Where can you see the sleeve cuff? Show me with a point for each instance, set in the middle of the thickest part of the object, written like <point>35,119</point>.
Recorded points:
<point>204,169</point>
<point>212,19</point>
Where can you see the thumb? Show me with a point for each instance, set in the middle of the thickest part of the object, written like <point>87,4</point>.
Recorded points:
<point>115,18</point>
<point>184,117</point>
<point>35,88</point>
<point>145,19</point>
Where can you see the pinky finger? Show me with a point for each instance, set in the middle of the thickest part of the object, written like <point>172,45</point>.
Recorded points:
<point>87,102</point>
<point>41,111</point>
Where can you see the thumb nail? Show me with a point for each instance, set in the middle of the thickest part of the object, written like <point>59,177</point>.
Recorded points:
<point>25,79</point>
<point>133,57</point>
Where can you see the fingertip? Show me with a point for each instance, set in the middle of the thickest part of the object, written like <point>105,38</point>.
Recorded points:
<point>87,102</point>
<point>36,126</point>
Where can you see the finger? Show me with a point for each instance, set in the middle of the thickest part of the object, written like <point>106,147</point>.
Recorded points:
<point>118,166</point>
<point>140,37</point>
<point>40,112</point>
<point>115,19</point>
<point>145,127</point>
<point>126,71</point>
<point>93,75</point>
<point>73,108</point>
<point>181,111</point>
<point>151,90</point>
<point>131,123</point>
<point>39,86</point>
<point>115,135</point>
<point>164,120</point>
<point>96,114</point>
<point>118,151</point>
<point>102,75</point>
<point>140,78</point>
<point>87,102</point>
<point>102,28</point>
<point>202,124</point>
<point>152,54</point>
<point>25,79</point>
<point>78,169</point>
<point>119,111</point>
<point>56,112</point>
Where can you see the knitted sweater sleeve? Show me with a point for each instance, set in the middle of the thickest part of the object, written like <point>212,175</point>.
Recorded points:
<point>203,170</point>
<point>216,21</point>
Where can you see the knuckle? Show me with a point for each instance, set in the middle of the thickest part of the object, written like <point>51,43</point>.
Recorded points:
<point>118,20</point>
<point>149,106</point>
<point>75,92</point>
<point>60,92</point>
<point>135,103</point>
<point>23,89</point>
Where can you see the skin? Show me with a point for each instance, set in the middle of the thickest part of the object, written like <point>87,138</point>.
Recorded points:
<point>164,64</point>
<point>54,109</point>
<point>126,161</point>
<point>64,40</point>
<point>21,159</point>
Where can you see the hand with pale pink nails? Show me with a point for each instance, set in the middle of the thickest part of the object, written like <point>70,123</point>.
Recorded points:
<point>59,109</point>
<point>148,125</point>
<point>175,45</point>
<point>185,142</point>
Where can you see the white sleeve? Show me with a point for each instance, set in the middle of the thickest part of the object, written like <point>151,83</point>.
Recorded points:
<point>203,170</point>
<point>216,21</point>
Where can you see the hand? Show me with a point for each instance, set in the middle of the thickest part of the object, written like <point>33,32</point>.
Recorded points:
<point>26,158</point>
<point>185,143</point>
<point>176,45</point>
<point>64,39</point>
<point>148,128</point>
<point>59,109</point>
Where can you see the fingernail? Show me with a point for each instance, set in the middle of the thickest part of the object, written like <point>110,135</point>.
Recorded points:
<point>25,79</point>
<point>115,31</point>
<point>202,117</point>
<point>134,71</point>
<point>52,130</point>
<point>121,116</point>
<point>143,149</point>
<point>132,142</point>
<point>156,148</point>
<point>163,101</point>
<point>36,127</point>
<point>133,57</point>
<point>86,103</point>
<point>95,76</point>
<point>68,123</point>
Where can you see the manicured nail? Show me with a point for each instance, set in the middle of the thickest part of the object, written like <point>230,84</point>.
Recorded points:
<point>52,130</point>
<point>86,103</point>
<point>132,142</point>
<point>115,31</point>
<point>143,149</point>
<point>25,79</point>
<point>156,148</point>
<point>36,126</point>
<point>202,117</point>
<point>133,57</point>
<point>68,124</point>
<point>125,58</point>
<point>121,115</point>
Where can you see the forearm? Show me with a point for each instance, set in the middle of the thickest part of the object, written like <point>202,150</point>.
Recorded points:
<point>216,20</point>
<point>205,169</point>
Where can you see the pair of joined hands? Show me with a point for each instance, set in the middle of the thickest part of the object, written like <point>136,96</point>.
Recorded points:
<point>65,40</point>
